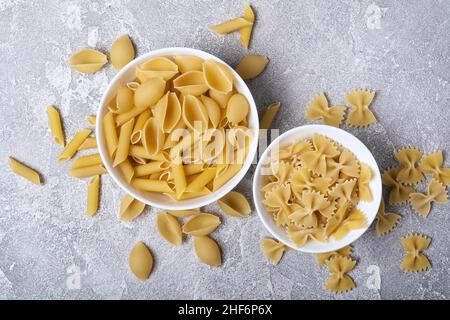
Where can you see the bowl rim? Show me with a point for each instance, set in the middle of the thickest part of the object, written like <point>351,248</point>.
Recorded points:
<point>325,246</point>
<point>194,202</point>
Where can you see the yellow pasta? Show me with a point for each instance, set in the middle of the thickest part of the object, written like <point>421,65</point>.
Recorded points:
<point>230,26</point>
<point>150,168</point>
<point>201,180</point>
<point>123,146</point>
<point>399,193</point>
<point>109,130</point>
<point>269,115</point>
<point>213,110</point>
<point>127,170</point>
<point>54,120</point>
<point>195,114</point>
<point>188,63</point>
<point>251,66</point>
<point>89,171</point>
<point>245,33</point>
<point>91,120</point>
<point>93,196</point>
<point>169,228</point>
<point>201,224</point>
<point>273,250</point>
<point>179,178</point>
<point>432,163</point>
<point>86,161</point>
<point>415,260</point>
<point>122,52</point>
<point>151,185</point>
<point>72,147</point>
<point>130,208</point>
<point>408,157</point>
<point>421,203</point>
<point>191,83</point>
<point>124,100</point>
<point>136,135</point>
<point>221,98</point>
<point>89,143</point>
<point>157,67</point>
<point>235,204</point>
<point>364,192</point>
<point>87,61</point>
<point>168,112</point>
<point>318,109</point>
<point>323,257</point>
<point>152,137</point>
<point>237,109</point>
<point>385,221</point>
<point>207,251</point>
<point>360,101</point>
<point>339,281</point>
<point>149,92</point>
<point>24,171</point>
<point>217,77</point>
<point>141,261</point>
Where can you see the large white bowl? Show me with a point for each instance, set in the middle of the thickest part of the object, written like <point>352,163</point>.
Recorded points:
<point>155,199</point>
<point>348,141</point>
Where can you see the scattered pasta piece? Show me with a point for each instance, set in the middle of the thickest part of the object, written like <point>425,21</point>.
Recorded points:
<point>364,192</point>
<point>201,224</point>
<point>89,171</point>
<point>122,52</point>
<point>318,109</point>
<point>399,192</point>
<point>87,61</point>
<point>339,281</point>
<point>385,221</point>
<point>87,161</point>
<point>321,258</point>
<point>231,26</point>
<point>24,171</point>
<point>251,66</point>
<point>245,33</point>
<point>141,261</point>
<point>207,251</point>
<point>93,196</point>
<point>130,208</point>
<point>273,250</point>
<point>184,213</point>
<point>54,120</point>
<point>415,260</point>
<point>409,173</point>
<point>269,115</point>
<point>169,228</point>
<point>235,205</point>
<point>89,143</point>
<point>432,163</point>
<point>360,101</point>
<point>91,120</point>
<point>421,203</point>
<point>72,147</point>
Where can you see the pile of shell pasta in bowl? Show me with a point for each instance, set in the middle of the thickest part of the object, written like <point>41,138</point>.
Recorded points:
<point>177,128</point>
<point>317,188</point>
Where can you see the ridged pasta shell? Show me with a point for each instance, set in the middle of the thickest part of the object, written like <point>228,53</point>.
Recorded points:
<point>191,83</point>
<point>201,224</point>
<point>122,52</point>
<point>217,76</point>
<point>124,100</point>
<point>169,228</point>
<point>152,136</point>
<point>213,108</point>
<point>207,251</point>
<point>168,111</point>
<point>130,208</point>
<point>235,204</point>
<point>158,67</point>
<point>87,60</point>
<point>188,63</point>
<point>237,108</point>
<point>195,114</point>
<point>251,66</point>
<point>141,261</point>
<point>149,92</point>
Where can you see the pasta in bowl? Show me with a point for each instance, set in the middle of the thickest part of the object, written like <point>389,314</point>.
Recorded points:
<point>317,188</point>
<point>177,128</point>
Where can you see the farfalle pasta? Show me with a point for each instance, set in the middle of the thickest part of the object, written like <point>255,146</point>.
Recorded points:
<point>408,158</point>
<point>399,192</point>
<point>318,109</point>
<point>432,164</point>
<point>321,258</point>
<point>421,203</point>
<point>273,250</point>
<point>312,190</point>
<point>180,128</point>
<point>385,221</point>
<point>360,100</point>
<point>415,260</point>
<point>339,281</point>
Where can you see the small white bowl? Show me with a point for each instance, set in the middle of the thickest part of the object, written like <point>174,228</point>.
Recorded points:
<point>159,200</point>
<point>348,141</point>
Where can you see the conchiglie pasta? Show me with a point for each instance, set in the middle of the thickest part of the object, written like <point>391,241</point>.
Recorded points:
<point>217,76</point>
<point>158,67</point>
<point>152,136</point>
<point>195,114</point>
<point>149,92</point>
<point>235,204</point>
<point>237,108</point>
<point>207,251</point>
<point>87,61</point>
<point>201,224</point>
<point>122,52</point>
<point>191,83</point>
<point>169,228</point>
<point>251,66</point>
<point>188,63</point>
<point>168,111</point>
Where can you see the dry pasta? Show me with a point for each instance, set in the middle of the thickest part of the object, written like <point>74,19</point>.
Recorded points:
<point>207,251</point>
<point>399,192</point>
<point>93,196</point>
<point>24,171</point>
<point>141,261</point>
<point>269,115</point>
<point>245,33</point>
<point>409,173</point>
<point>313,189</point>
<point>122,52</point>
<point>432,163</point>
<point>130,208</point>
<point>385,221</point>
<point>360,101</point>
<point>54,120</point>
<point>72,147</point>
<point>235,204</point>
<point>86,161</point>
<point>91,120</point>
<point>87,61</point>
<point>321,258</point>
<point>339,281</point>
<point>318,109</point>
<point>230,26</point>
<point>251,66</point>
<point>89,171</point>
<point>169,228</point>
<point>415,260</point>
<point>421,203</point>
<point>273,250</point>
<point>201,224</point>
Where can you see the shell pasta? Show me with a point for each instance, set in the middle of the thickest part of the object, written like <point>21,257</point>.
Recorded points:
<point>180,128</point>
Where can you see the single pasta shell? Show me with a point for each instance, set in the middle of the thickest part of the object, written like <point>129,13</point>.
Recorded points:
<point>251,66</point>
<point>191,83</point>
<point>217,76</point>
<point>169,228</point>
<point>149,92</point>
<point>122,52</point>
<point>158,67</point>
<point>237,108</point>
<point>201,224</point>
<point>188,63</point>
<point>87,60</point>
<point>168,111</point>
<point>141,261</point>
<point>235,204</point>
<point>195,114</point>
<point>124,99</point>
<point>130,208</point>
<point>213,110</point>
<point>152,136</point>
<point>207,251</point>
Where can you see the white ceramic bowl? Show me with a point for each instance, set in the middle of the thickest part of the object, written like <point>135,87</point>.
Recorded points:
<point>348,141</point>
<point>155,199</point>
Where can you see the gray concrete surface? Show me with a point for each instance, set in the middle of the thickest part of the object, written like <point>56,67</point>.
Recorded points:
<point>399,48</point>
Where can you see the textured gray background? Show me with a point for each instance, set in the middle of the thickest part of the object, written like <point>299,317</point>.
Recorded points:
<point>333,46</point>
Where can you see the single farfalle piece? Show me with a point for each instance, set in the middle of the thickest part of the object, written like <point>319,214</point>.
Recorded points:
<point>432,163</point>
<point>343,192</point>
<point>399,192</point>
<point>277,200</point>
<point>316,160</point>
<point>321,258</point>
<point>318,109</point>
<point>409,173</point>
<point>347,164</point>
<point>310,205</point>
<point>339,281</point>
<point>300,236</point>
<point>364,191</point>
<point>385,221</point>
<point>281,170</point>
<point>360,101</point>
<point>302,179</point>
<point>273,250</point>
<point>415,260</point>
<point>436,192</point>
